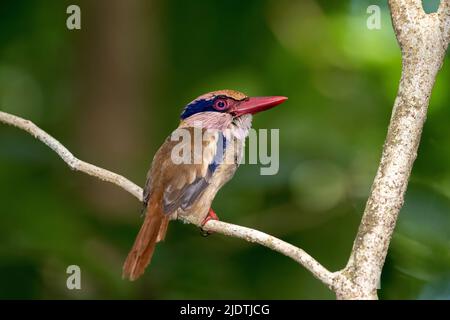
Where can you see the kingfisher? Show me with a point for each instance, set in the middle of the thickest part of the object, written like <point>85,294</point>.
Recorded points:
<point>186,174</point>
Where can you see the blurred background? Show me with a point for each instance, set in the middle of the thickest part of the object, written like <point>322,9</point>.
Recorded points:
<point>112,92</point>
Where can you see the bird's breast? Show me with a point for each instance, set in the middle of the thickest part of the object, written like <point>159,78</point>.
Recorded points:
<point>222,169</point>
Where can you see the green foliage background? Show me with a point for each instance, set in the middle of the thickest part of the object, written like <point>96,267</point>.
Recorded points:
<point>112,91</point>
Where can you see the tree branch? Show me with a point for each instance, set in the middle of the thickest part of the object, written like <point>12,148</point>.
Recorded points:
<point>73,162</point>
<point>423,43</point>
<point>224,228</point>
<point>444,16</point>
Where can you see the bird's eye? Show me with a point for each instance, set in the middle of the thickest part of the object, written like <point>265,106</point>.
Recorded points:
<point>220,104</point>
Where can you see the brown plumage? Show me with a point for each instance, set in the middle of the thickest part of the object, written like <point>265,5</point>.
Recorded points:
<point>152,231</point>
<point>164,197</point>
<point>177,190</point>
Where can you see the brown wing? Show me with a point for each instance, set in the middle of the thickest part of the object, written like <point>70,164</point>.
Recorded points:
<point>169,186</point>
<point>181,183</point>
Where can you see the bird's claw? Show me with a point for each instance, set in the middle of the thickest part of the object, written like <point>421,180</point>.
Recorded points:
<point>211,216</point>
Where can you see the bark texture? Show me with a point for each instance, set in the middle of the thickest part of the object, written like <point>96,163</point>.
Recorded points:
<point>423,39</point>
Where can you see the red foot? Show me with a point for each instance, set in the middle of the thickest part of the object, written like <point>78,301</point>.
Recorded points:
<point>211,216</point>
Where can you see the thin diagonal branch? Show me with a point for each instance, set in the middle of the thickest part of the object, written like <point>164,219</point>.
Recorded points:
<point>275,244</point>
<point>73,162</point>
<point>227,229</point>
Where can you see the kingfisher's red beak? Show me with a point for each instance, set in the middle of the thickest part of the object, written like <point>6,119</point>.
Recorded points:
<point>256,104</point>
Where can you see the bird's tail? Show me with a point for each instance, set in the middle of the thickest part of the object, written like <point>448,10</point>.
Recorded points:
<point>152,231</point>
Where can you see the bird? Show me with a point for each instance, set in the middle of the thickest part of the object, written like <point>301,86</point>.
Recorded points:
<point>177,189</point>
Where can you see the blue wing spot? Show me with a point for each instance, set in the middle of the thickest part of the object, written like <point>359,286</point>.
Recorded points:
<point>220,152</point>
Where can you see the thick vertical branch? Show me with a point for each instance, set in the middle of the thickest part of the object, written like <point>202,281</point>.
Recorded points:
<point>423,39</point>
<point>444,18</point>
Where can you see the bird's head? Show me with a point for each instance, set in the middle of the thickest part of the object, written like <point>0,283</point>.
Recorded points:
<point>227,106</point>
